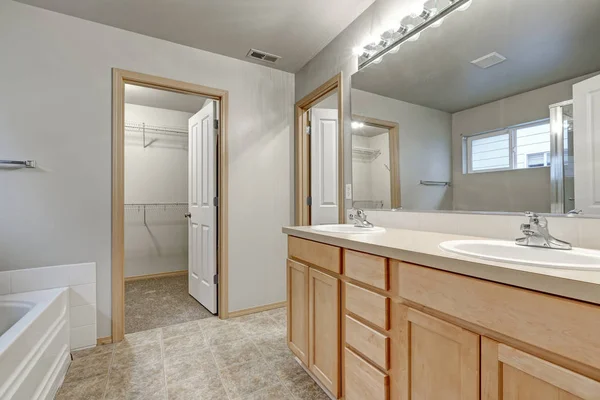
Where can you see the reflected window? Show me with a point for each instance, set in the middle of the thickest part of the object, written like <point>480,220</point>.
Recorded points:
<point>517,147</point>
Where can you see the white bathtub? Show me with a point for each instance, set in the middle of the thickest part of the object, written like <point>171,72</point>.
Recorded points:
<point>34,344</point>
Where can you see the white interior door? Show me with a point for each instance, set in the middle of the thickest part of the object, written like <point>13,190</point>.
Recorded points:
<point>586,137</point>
<point>202,251</point>
<point>324,166</point>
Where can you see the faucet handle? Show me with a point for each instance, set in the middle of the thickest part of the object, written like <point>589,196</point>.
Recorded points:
<point>536,219</point>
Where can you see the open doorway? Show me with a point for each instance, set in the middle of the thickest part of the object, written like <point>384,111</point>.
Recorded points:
<point>169,188</point>
<point>320,156</point>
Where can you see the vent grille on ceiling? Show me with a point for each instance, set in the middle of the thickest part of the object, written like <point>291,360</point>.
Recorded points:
<point>489,60</point>
<point>262,56</point>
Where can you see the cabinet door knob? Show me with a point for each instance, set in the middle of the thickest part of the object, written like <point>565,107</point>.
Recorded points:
<point>188,215</point>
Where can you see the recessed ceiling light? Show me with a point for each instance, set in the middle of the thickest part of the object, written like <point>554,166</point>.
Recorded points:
<point>489,60</point>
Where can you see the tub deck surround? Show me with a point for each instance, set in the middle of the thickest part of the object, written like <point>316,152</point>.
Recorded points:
<point>79,279</point>
<point>422,248</point>
<point>391,316</point>
<point>34,344</point>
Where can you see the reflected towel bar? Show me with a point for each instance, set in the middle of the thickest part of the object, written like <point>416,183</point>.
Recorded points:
<point>19,164</point>
<point>434,183</point>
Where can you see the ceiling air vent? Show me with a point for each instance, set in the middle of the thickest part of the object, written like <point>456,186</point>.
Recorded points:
<point>489,60</point>
<point>262,56</point>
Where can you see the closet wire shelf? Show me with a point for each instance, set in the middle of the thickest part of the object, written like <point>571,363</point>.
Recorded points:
<point>147,131</point>
<point>143,207</point>
<point>365,153</point>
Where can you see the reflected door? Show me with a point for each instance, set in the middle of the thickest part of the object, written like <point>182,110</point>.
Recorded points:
<point>586,110</point>
<point>202,260</point>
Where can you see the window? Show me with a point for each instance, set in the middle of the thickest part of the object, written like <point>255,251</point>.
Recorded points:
<point>517,147</point>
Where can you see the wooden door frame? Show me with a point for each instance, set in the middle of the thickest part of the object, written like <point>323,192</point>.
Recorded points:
<point>119,79</point>
<point>394,137</point>
<point>302,144</point>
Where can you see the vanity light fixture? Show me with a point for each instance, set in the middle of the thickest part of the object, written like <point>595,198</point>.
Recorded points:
<point>389,41</point>
<point>357,125</point>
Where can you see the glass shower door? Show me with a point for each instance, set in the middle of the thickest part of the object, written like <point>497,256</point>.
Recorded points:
<point>562,177</point>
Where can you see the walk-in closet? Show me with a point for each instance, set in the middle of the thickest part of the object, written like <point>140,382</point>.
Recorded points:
<point>157,228</point>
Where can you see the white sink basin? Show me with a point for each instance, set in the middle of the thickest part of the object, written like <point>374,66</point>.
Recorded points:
<point>509,252</point>
<point>346,228</point>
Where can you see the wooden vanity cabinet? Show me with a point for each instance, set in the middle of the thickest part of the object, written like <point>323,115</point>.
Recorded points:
<point>511,374</point>
<point>297,309</point>
<point>314,309</point>
<point>324,329</point>
<point>434,359</point>
<point>372,328</point>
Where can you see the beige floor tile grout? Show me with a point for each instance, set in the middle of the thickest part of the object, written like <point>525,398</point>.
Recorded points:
<point>112,356</point>
<point>164,368</point>
<point>219,372</point>
<point>261,336</point>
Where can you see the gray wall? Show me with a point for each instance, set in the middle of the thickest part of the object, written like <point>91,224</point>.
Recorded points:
<point>424,147</point>
<point>337,57</point>
<point>55,107</point>
<point>518,190</point>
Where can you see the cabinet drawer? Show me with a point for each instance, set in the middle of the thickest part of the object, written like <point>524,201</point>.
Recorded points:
<point>367,268</point>
<point>371,306</point>
<point>319,254</point>
<point>363,381</point>
<point>369,342</point>
<point>565,327</point>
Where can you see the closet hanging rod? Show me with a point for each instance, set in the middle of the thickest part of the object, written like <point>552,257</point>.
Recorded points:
<point>164,130</point>
<point>19,164</point>
<point>434,183</point>
<point>154,204</point>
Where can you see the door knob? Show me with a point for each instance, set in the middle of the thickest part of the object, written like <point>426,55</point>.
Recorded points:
<point>188,215</point>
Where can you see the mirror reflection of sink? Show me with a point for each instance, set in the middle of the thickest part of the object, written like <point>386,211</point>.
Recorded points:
<point>347,228</point>
<point>509,252</point>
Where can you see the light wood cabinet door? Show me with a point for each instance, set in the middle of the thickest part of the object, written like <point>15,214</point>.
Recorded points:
<point>297,309</point>
<point>511,374</point>
<point>324,329</point>
<point>434,359</point>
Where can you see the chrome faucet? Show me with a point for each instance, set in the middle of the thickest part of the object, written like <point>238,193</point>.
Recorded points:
<point>360,219</point>
<point>537,234</point>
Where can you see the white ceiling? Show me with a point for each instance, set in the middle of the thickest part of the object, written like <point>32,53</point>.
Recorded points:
<point>369,131</point>
<point>295,30</point>
<point>544,41</point>
<point>149,97</point>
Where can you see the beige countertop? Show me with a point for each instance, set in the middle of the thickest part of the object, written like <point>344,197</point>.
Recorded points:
<point>422,248</point>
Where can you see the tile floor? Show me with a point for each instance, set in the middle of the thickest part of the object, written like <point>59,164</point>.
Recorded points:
<point>243,358</point>
<point>158,302</point>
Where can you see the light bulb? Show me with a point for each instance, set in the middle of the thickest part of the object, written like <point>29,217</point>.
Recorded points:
<point>403,29</point>
<point>416,8</point>
<point>395,50</point>
<point>357,125</point>
<point>465,6</point>
<point>414,38</point>
<point>357,51</point>
<point>372,40</point>
<point>377,60</point>
<point>438,23</point>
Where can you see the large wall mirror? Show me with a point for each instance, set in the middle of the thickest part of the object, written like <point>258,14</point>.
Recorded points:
<point>497,109</point>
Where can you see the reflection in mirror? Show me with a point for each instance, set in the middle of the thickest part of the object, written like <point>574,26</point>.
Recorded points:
<point>375,163</point>
<point>497,110</point>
